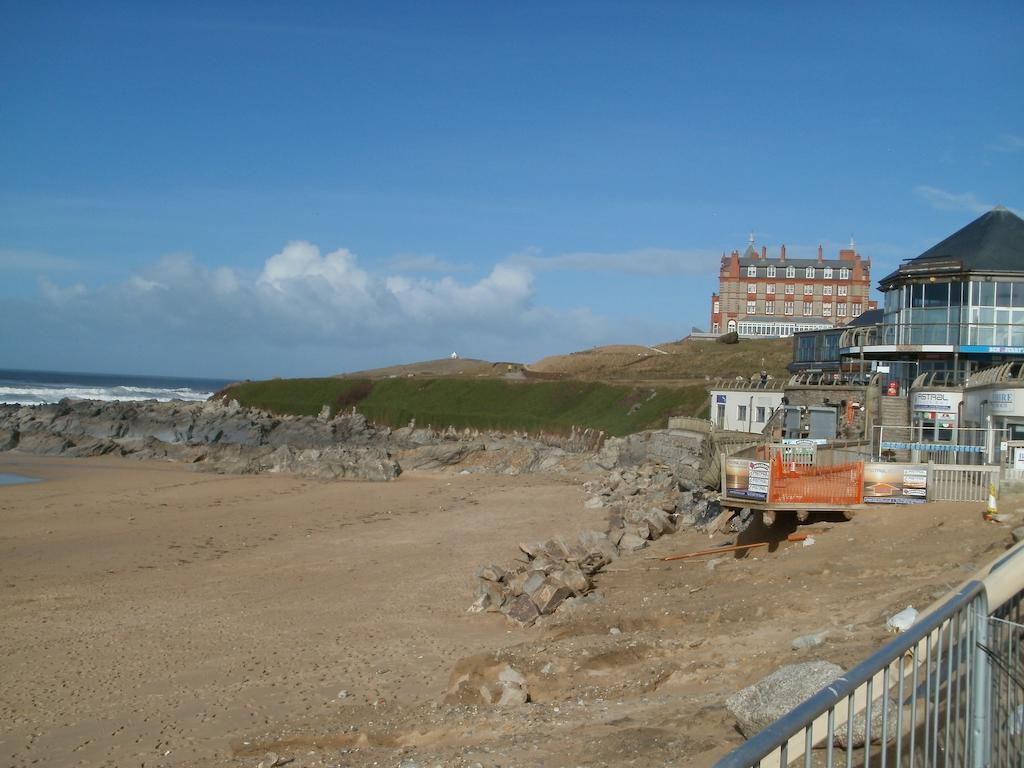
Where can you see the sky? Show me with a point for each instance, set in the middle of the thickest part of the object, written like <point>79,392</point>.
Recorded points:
<point>295,189</point>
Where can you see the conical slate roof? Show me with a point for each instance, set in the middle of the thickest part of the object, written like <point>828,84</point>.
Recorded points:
<point>993,242</point>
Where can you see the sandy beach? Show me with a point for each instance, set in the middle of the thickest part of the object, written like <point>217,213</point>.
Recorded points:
<point>157,616</point>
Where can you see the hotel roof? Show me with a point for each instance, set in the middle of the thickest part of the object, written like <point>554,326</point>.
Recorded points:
<point>994,242</point>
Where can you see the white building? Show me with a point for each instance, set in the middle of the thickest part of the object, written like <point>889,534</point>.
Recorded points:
<point>745,406</point>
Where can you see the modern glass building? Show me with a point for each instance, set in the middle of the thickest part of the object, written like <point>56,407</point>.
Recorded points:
<point>957,307</point>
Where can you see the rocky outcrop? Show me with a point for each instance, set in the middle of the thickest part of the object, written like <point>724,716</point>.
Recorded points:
<point>222,436</point>
<point>215,436</point>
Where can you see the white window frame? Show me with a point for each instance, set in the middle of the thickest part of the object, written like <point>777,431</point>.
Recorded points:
<point>809,273</point>
<point>771,270</point>
<point>828,273</point>
<point>856,310</point>
<point>842,289</point>
<point>826,310</point>
<point>751,307</point>
<point>716,307</point>
<point>787,308</point>
<point>770,289</point>
<point>752,271</point>
<point>844,274</point>
<point>808,309</point>
<point>791,271</point>
<point>741,412</point>
<point>751,287</point>
<point>841,310</point>
<point>790,289</point>
<point>769,307</point>
<point>826,290</point>
<point>808,290</point>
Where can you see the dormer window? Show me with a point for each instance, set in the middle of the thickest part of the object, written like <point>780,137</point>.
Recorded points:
<point>828,273</point>
<point>844,274</point>
<point>790,271</point>
<point>809,273</point>
<point>771,271</point>
<point>751,271</point>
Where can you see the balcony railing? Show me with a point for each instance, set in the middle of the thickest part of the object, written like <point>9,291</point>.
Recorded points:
<point>954,334</point>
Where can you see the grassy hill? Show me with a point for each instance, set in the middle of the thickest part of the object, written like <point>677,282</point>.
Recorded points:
<point>618,389</point>
<point>680,361</point>
<point>541,406</point>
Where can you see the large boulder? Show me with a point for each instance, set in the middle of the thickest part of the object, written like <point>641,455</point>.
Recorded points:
<point>761,704</point>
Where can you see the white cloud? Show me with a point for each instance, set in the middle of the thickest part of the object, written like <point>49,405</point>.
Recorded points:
<point>1009,142</point>
<point>300,311</point>
<point>952,201</point>
<point>643,261</point>
<point>426,262</point>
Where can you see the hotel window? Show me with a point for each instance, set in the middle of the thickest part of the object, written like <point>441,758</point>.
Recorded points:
<point>790,289</point>
<point>844,274</point>
<point>770,289</point>
<point>809,273</point>
<point>788,308</point>
<point>842,289</point>
<point>841,310</point>
<point>790,271</point>
<point>716,328</point>
<point>826,310</point>
<point>808,308</point>
<point>769,307</point>
<point>751,307</point>
<point>856,309</point>
<point>808,290</point>
<point>751,287</point>
<point>826,290</point>
<point>717,308</point>
<point>771,271</point>
<point>751,271</point>
<point>828,273</point>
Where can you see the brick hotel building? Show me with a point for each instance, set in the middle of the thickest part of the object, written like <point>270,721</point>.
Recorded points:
<point>759,296</point>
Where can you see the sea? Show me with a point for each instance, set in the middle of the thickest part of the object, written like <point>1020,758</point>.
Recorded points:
<point>35,387</point>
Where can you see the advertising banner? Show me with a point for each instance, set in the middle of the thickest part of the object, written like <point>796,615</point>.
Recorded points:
<point>895,483</point>
<point>746,479</point>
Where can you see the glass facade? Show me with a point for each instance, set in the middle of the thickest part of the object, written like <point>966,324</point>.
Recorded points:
<point>955,313</point>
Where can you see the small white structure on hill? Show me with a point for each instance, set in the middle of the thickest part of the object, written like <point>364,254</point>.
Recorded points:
<point>745,406</point>
<point>454,355</point>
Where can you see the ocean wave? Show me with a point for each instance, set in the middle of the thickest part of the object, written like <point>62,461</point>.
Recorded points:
<point>35,395</point>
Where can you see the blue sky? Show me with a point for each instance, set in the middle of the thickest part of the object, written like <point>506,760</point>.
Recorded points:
<point>304,188</point>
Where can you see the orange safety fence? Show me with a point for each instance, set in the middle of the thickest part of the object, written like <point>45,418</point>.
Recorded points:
<point>795,484</point>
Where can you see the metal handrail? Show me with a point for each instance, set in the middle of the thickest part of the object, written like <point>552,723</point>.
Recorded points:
<point>838,704</point>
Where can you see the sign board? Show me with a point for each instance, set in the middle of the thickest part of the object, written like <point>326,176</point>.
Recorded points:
<point>934,401</point>
<point>719,399</point>
<point>1018,458</point>
<point>747,479</point>
<point>1001,400</point>
<point>895,483</point>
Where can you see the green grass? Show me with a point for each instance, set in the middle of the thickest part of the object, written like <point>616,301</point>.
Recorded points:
<point>548,406</point>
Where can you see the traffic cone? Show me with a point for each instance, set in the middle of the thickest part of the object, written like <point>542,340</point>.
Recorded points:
<point>992,511</point>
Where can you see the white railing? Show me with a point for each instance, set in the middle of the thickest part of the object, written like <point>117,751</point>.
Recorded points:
<point>949,482</point>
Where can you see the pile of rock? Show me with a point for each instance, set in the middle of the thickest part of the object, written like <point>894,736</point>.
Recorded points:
<point>644,503</point>
<point>647,502</point>
<point>554,571</point>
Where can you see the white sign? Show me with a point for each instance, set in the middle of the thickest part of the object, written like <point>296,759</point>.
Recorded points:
<point>1001,400</point>
<point>1018,458</point>
<point>933,401</point>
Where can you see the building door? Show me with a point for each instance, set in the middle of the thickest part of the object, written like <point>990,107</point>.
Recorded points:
<point>732,326</point>
<point>721,415</point>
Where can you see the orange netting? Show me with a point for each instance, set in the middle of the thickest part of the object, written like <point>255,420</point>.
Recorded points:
<point>838,484</point>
